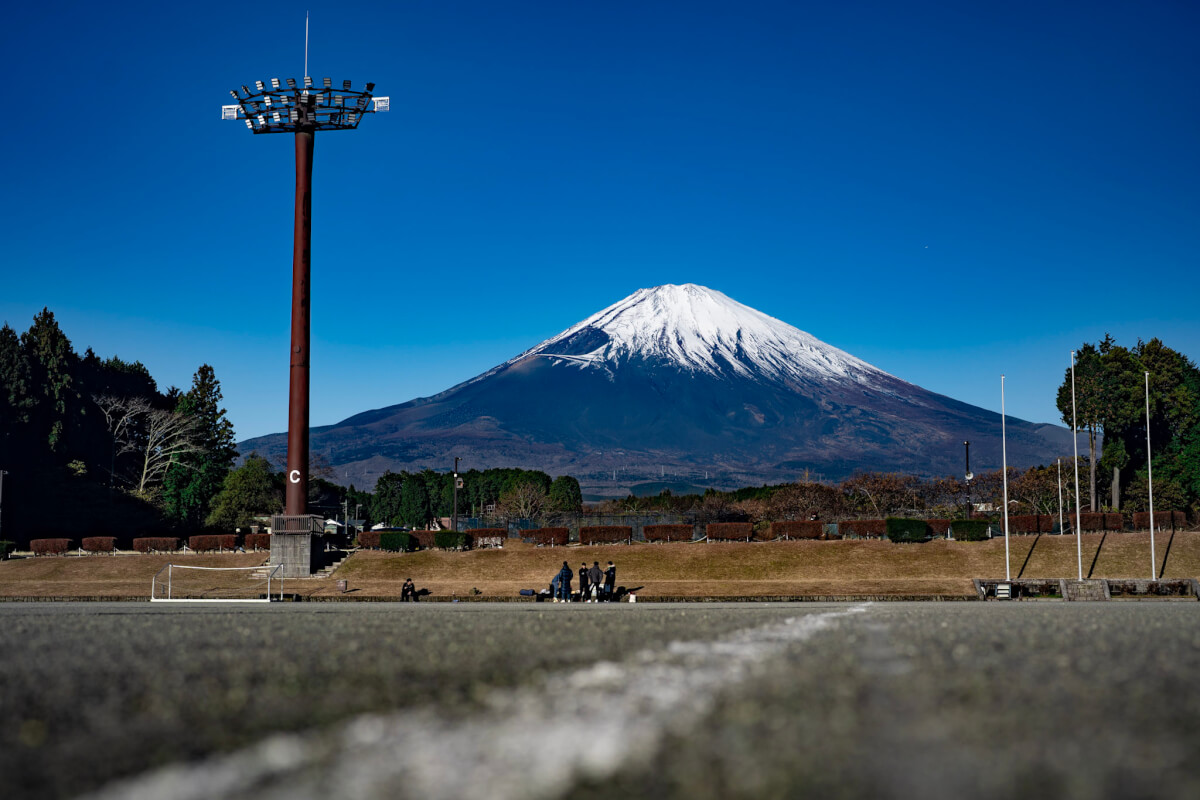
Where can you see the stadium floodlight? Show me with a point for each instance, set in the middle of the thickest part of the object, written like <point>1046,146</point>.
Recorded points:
<point>308,110</point>
<point>234,93</point>
<point>229,112</point>
<point>246,90</point>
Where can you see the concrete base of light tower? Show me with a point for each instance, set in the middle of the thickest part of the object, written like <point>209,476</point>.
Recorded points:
<point>296,544</point>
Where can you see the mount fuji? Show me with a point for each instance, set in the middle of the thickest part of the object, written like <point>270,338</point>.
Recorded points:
<point>680,381</point>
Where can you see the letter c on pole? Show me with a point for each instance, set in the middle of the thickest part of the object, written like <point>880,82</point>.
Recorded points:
<point>294,476</point>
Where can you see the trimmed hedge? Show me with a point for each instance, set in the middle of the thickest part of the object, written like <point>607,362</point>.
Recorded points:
<point>50,547</point>
<point>552,537</point>
<point>1023,523</point>
<point>427,539</point>
<point>369,539</point>
<point>396,541</point>
<point>257,541</point>
<point>207,543</point>
<point>866,528</point>
<point>488,537</point>
<point>970,530</point>
<point>939,527</point>
<point>1090,520</point>
<point>1114,521</point>
<point>800,529</point>
<point>1162,519</point>
<point>98,544</point>
<point>605,534</point>
<point>668,533</point>
<point>729,531</point>
<point>156,544</point>
<point>451,540</point>
<point>908,531</point>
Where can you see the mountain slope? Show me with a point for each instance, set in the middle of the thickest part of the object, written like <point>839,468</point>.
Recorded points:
<point>685,380</point>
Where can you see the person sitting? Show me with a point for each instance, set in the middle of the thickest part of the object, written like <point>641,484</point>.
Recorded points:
<point>408,592</point>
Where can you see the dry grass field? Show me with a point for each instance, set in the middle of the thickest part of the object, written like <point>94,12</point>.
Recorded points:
<point>770,569</point>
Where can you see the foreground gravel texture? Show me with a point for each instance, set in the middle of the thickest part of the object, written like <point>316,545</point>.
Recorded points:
<point>857,701</point>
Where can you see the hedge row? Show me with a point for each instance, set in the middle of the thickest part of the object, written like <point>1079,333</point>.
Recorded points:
<point>552,537</point>
<point>1162,519</point>
<point>488,537</point>
<point>98,544</point>
<point>801,529</point>
<point>668,533</point>
<point>257,541</point>
<point>729,531</point>
<point>970,530</point>
<point>156,544</point>
<point>451,540</point>
<point>207,543</point>
<point>605,534</point>
<point>397,541</point>
<point>863,527</point>
<point>49,547</point>
<point>907,530</point>
<point>940,527</point>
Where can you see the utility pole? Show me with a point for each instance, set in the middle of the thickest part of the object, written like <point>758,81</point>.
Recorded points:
<point>968,476</point>
<point>454,511</point>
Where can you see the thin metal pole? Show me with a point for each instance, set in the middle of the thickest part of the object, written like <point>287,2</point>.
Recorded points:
<point>1060,513</point>
<point>967,476</point>
<point>1004,462</point>
<point>1150,480</point>
<point>454,511</point>
<point>296,496</point>
<point>2,474</point>
<point>1075,441</point>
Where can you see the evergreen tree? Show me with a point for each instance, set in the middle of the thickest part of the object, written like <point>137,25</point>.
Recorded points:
<point>415,511</point>
<point>191,486</point>
<point>565,496</point>
<point>248,491</point>
<point>52,364</point>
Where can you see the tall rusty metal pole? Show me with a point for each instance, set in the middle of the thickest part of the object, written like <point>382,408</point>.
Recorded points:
<point>296,495</point>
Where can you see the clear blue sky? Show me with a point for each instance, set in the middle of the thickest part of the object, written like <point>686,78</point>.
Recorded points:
<point>946,190</point>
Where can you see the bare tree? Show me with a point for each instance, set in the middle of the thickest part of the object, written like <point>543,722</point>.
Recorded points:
<point>156,438</point>
<point>882,493</point>
<point>523,501</point>
<point>806,501</point>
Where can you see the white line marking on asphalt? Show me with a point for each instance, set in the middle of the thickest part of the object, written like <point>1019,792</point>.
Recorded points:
<point>531,743</point>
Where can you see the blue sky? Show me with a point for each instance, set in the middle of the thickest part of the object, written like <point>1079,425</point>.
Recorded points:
<point>946,190</point>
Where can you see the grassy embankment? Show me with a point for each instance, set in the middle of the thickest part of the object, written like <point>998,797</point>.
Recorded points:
<point>771,569</point>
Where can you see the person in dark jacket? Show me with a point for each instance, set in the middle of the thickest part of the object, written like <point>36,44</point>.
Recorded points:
<point>408,592</point>
<point>564,583</point>
<point>610,582</point>
<point>595,577</point>
<point>584,581</point>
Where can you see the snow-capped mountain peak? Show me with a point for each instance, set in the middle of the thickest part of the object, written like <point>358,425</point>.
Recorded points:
<point>702,330</point>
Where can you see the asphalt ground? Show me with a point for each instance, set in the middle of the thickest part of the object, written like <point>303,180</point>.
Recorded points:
<point>753,700</point>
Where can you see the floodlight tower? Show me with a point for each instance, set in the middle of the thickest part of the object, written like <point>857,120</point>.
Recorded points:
<point>301,108</point>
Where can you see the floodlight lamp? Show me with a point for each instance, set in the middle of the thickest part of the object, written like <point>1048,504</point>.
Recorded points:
<point>234,93</point>
<point>249,124</point>
<point>327,82</point>
<point>258,85</point>
<point>274,83</point>
<point>307,82</point>
<point>275,117</point>
<point>346,86</point>
<point>370,87</point>
<point>267,100</point>
<point>246,89</point>
<point>339,100</point>
<point>383,103</point>
<point>291,82</point>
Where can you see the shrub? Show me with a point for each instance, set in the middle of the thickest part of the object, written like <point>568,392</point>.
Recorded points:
<point>668,533</point>
<point>1023,523</point>
<point>49,547</point>
<point>1090,520</point>
<point>908,531</point>
<point>156,544</point>
<point>729,531</point>
<point>605,534</point>
<point>939,527</point>
<point>99,544</point>
<point>865,528</point>
<point>1114,521</point>
<point>451,540</point>
<point>6,548</point>
<point>207,543</point>
<point>426,539</point>
<point>396,541</point>
<point>369,539</point>
<point>1168,520</point>
<point>257,541</point>
<point>802,529</point>
<point>554,537</point>
<point>488,537</point>
<point>970,530</point>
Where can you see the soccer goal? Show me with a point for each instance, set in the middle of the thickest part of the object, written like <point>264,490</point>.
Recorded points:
<point>183,583</point>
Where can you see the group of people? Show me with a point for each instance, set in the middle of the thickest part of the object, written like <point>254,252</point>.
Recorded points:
<point>595,585</point>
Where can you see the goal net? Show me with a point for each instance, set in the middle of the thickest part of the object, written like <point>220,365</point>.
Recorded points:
<point>182,583</point>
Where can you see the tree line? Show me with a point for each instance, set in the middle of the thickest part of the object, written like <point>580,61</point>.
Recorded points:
<point>92,446</point>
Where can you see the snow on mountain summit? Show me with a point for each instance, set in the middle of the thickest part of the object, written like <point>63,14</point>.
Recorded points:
<point>700,329</point>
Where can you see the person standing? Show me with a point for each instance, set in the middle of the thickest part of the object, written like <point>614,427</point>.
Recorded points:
<point>610,582</point>
<point>564,583</point>
<point>584,582</point>
<point>595,576</point>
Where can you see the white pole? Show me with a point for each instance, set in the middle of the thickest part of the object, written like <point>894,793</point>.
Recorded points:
<point>1060,514</point>
<point>1150,480</point>
<point>306,44</point>
<point>1004,462</point>
<point>1075,441</point>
